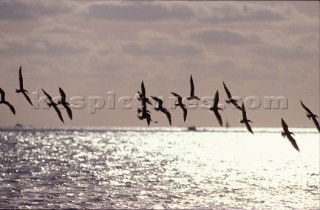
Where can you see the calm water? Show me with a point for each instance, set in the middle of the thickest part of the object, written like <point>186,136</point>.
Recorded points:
<point>158,168</point>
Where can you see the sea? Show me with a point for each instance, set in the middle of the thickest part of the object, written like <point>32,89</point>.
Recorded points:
<point>158,168</point>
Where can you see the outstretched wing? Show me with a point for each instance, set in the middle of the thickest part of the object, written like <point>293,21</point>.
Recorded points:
<point>216,99</point>
<point>306,108</point>
<point>176,95</point>
<point>3,95</point>
<point>293,142</point>
<point>48,96</point>
<point>63,95</point>
<point>244,113</point>
<point>316,123</point>
<point>227,91</point>
<point>218,116</point>
<point>284,126</point>
<point>20,79</point>
<point>58,112</point>
<point>248,127</point>
<point>185,112</point>
<point>10,106</point>
<point>158,100</point>
<point>69,111</point>
<point>27,97</point>
<point>143,90</point>
<point>191,86</point>
<point>168,115</point>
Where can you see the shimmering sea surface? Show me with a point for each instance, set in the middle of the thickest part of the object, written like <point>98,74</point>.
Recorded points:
<point>158,168</point>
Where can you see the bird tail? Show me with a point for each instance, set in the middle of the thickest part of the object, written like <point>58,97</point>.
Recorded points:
<point>241,121</point>
<point>309,116</point>
<point>49,104</point>
<point>283,134</point>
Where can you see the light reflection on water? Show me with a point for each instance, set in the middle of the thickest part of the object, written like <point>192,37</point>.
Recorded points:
<point>168,168</point>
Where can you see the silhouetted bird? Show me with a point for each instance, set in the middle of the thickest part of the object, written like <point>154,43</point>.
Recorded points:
<point>216,109</point>
<point>245,119</point>
<point>230,99</point>
<point>64,103</point>
<point>161,108</point>
<point>53,104</point>
<point>21,89</point>
<point>145,114</point>
<point>312,116</point>
<point>142,95</point>
<point>181,105</point>
<point>3,101</point>
<point>192,96</point>
<point>287,133</point>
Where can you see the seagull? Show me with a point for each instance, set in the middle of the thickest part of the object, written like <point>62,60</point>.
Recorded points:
<point>142,95</point>
<point>3,101</point>
<point>21,89</point>
<point>312,116</point>
<point>216,109</point>
<point>161,108</point>
<point>182,106</point>
<point>53,104</point>
<point>64,103</point>
<point>230,99</point>
<point>287,133</point>
<point>145,114</point>
<point>192,96</point>
<point>245,119</point>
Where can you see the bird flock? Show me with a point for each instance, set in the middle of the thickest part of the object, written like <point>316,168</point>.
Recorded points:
<point>145,114</point>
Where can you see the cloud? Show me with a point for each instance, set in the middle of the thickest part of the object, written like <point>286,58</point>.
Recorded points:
<point>139,11</point>
<point>293,53</point>
<point>23,11</point>
<point>215,37</point>
<point>226,12</point>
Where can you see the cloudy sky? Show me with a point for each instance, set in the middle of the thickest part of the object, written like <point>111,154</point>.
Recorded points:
<point>92,48</point>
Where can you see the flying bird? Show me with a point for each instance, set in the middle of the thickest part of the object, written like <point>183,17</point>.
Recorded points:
<point>21,89</point>
<point>230,99</point>
<point>64,103</point>
<point>216,109</point>
<point>312,116</point>
<point>287,133</point>
<point>142,95</point>
<point>245,119</point>
<point>145,114</point>
<point>3,101</point>
<point>192,96</point>
<point>161,108</point>
<point>53,104</point>
<point>181,105</point>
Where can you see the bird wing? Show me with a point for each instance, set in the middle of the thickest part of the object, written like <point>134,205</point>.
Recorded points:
<point>185,112</point>
<point>284,126</point>
<point>20,79</point>
<point>191,86</point>
<point>3,95</point>
<point>293,142</point>
<point>158,100</point>
<point>27,97</point>
<point>218,116</point>
<point>227,91</point>
<point>248,126</point>
<point>316,123</point>
<point>176,95</point>
<point>216,99</point>
<point>10,106</point>
<point>306,108</point>
<point>58,112</point>
<point>236,105</point>
<point>62,93</point>
<point>48,96</point>
<point>68,111</point>
<point>244,113</point>
<point>143,90</point>
<point>168,114</point>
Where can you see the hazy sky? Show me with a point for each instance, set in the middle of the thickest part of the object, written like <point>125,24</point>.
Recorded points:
<point>92,47</point>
